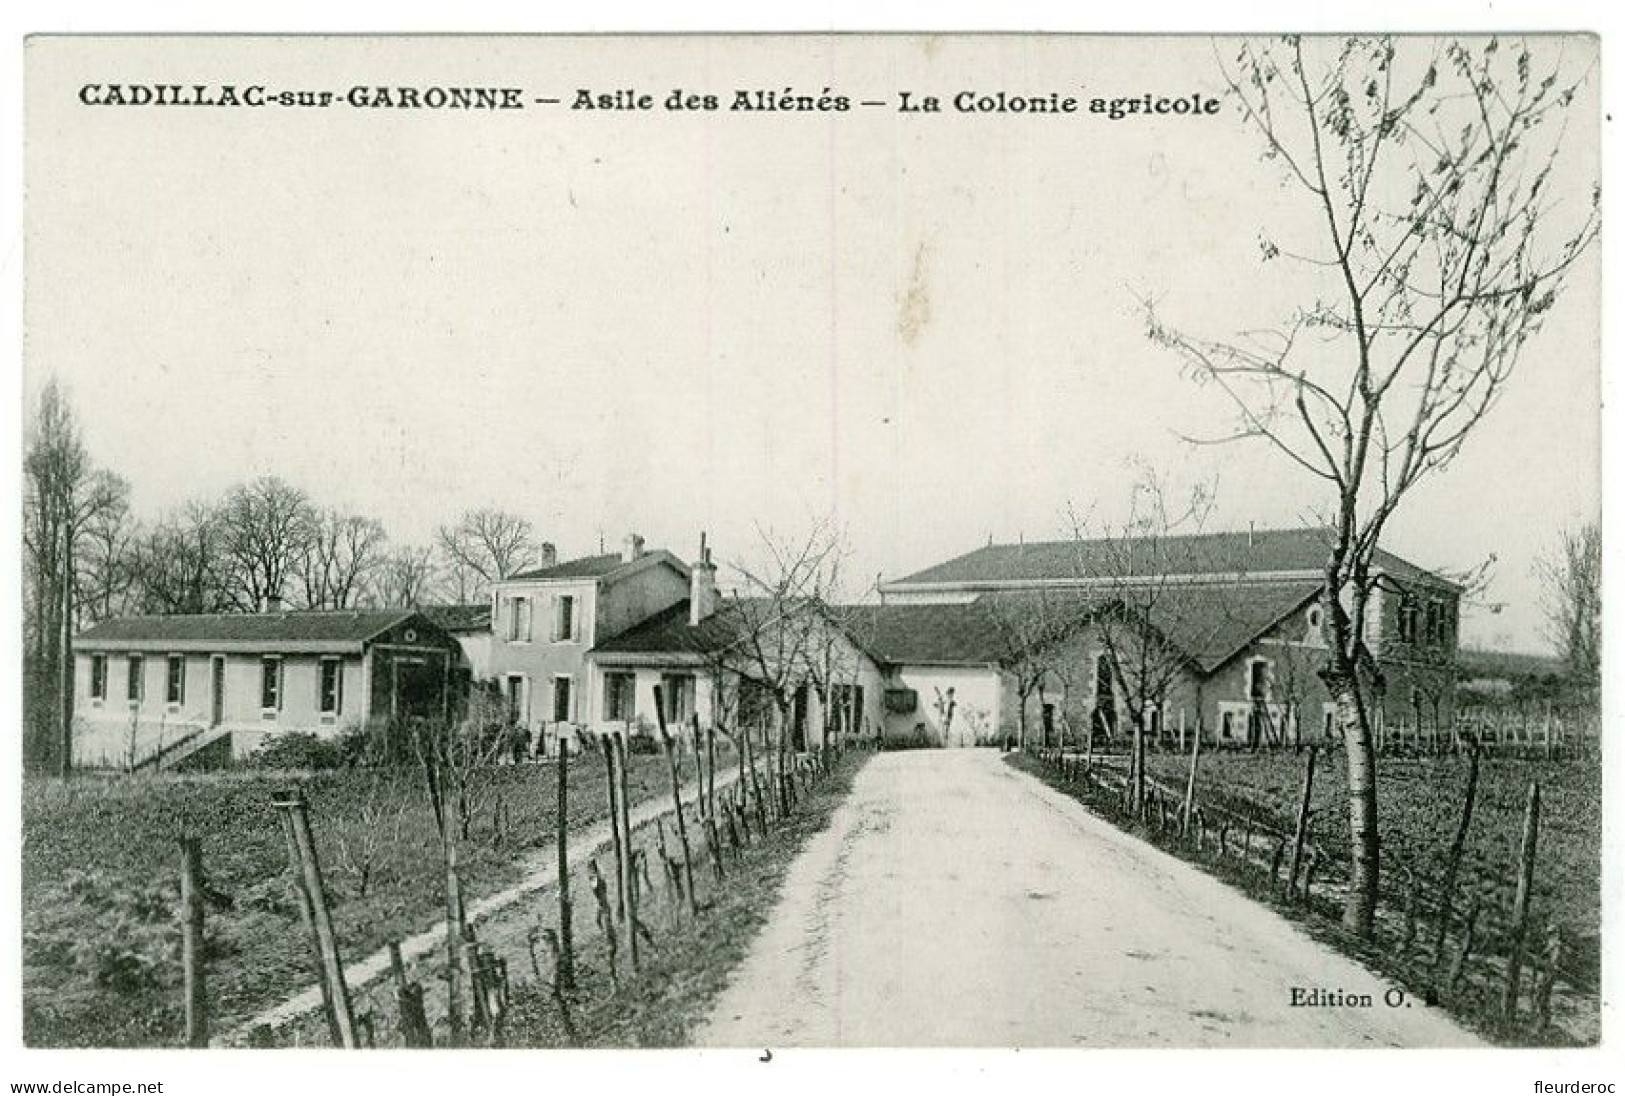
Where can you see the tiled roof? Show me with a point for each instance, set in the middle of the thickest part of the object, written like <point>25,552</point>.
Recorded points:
<point>1209,623</point>
<point>585,567</point>
<point>1261,551</point>
<point>668,632</point>
<point>338,630</point>
<point>460,618</point>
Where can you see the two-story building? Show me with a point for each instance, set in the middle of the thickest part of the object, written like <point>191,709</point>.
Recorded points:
<point>545,620</point>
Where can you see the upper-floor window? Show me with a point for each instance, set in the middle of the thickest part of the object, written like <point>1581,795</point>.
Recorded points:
<point>564,617</point>
<point>98,677</point>
<point>136,686</point>
<point>1409,612</point>
<point>519,620</point>
<point>175,680</point>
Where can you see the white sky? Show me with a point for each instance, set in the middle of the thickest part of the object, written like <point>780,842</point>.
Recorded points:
<point>675,323</point>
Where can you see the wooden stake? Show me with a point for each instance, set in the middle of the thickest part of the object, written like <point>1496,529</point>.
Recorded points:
<point>414,1023</point>
<point>566,959</point>
<point>1301,834</point>
<point>192,961</point>
<point>327,941</point>
<point>612,791</point>
<point>1447,889</point>
<point>307,914</point>
<point>677,803</point>
<point>1190,777</point>
<point>618,742</point>
<point>1520,908</point>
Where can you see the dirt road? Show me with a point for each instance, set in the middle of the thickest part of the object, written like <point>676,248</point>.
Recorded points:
<point>956,902</point>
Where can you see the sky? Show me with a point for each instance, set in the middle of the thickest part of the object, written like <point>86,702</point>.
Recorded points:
<point>926,328</point>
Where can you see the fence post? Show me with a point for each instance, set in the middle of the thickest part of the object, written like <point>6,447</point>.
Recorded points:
<point>618,742</point>
<point>1302,831</point>
<point>1190,777</point>
<point>1520,907</point>
<point>192,960</point>
<point>414,1024</point>
<point>677,801</point>
<point>566,976</point>
<point>1447,890</point>
<point>295,809</point>
<point>307,915</point>
<point>606,743</point>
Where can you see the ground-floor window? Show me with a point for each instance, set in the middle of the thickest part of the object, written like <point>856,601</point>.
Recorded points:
<point>98,677</point>
<point>679,695</point>
<point>135,684</point>
<point>331,688</point>
<point>562,711</point>
<point>270,685</point>
<point>175,680</point>
<point>515,697</point>
<point>619,696</point>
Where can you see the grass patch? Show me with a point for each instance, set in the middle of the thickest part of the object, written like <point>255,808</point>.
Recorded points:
<point>100,882</point>
<point>680,977</point>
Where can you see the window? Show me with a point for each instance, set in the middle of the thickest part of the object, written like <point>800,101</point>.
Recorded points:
<point>1314,617</point>
<point>619,698</point>
<point>564,619</point>
<point>1258,681</point>
<point>175,680</point>
<point>561,699</point>
<point>98,677</point>
<point>1408,611</point>
<point>679,690</point>
<point>136,688</point>
<point>519,620</point>
<point>270,684</point>
<point>515,696</point>
<point>330,688</point>
<point>1433,621</point>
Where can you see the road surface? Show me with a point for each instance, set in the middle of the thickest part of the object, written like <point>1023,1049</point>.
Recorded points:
<point>957,902</point>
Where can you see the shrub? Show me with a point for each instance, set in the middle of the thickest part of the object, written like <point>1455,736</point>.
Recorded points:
<point>298,750</point>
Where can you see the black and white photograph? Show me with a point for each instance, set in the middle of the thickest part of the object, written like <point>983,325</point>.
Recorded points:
<point>759,542</point>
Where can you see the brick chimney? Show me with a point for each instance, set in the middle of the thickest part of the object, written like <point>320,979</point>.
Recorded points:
<point>550,555</point>
<point>702,586</point>
<point>631,548</point>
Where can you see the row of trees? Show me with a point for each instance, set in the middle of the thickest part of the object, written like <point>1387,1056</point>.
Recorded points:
<point>88,556</point>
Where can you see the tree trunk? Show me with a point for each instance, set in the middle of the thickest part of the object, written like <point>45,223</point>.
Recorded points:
<point>1359,909</point>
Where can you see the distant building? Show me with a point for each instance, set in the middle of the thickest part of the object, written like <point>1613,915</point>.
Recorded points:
<point>152,690</point>
<point>1243,608</point>
<point>545,620</point>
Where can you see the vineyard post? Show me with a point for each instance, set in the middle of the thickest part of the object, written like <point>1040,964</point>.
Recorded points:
<point>1302,832</point>
<point>1447,890</point>
<point>623,794</point>
<point>606,743</point>
<point>566,977</point>
<point>677,802</point>
<point>192,960</point>
<point>1520,907</point>
<point>307,914</point>
<point>414,1024</point>
<point>1190,777</point>
<point>327,941</point>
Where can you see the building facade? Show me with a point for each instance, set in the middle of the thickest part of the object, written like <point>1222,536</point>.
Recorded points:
<point>154,690</point>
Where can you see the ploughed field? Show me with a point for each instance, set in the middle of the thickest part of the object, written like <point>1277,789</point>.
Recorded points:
<point>1419,806</point>
<point>101,882</point>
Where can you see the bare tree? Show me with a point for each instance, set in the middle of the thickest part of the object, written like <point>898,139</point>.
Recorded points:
<point>64,497</point>
<point>266,528</point>
<point>1148,622</point>
<point>406,578</point>
<point>340,558</point>
<point>178,564</point>
<point>1434,247</point>
<point>1571,580</point>
<point>483,547</point>
<point>1027,628</point>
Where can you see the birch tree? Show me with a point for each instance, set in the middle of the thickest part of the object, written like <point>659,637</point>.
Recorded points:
<point>1430,242</point>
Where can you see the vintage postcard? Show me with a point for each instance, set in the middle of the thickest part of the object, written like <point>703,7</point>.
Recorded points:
<point>755,541</point>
